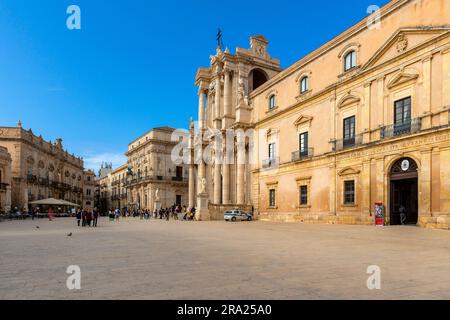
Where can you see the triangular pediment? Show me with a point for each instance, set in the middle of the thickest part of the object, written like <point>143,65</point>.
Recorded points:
<point>403,41</point>
<point>303,119</point>
<point>402,77</point>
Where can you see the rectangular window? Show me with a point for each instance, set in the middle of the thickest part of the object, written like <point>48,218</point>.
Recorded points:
<point>403,111</point>
<point>304,144</point>
<point>303,195</point>
<point>349,192</point>
<point>179,172</point>
<point>272,198</point>
<point>349,131</point>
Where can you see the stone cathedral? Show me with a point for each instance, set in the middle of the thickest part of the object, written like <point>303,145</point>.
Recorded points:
<point>359,127</point>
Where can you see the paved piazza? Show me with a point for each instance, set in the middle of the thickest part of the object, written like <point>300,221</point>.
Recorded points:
<point>216,260</point>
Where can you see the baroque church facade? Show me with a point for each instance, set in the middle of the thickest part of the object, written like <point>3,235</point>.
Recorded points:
<point>361,121</point>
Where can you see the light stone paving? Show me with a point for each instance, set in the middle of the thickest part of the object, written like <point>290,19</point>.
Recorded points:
<point>216,260</point>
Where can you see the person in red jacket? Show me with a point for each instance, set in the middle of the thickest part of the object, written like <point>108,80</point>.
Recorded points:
<point>50,214</point>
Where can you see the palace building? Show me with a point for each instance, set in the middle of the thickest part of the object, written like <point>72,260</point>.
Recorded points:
<point>362,120</point>
<point>153,173</point>
<point>39,169</point>
<point>5,180</point>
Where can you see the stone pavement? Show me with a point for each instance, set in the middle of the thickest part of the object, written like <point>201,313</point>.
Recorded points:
<point>216,260</point>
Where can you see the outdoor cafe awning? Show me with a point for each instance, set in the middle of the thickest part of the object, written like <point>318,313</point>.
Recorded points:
<point>54,202</point>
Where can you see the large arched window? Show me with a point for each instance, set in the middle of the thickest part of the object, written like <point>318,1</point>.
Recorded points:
<point>257,78</point>
<point>304,85</point>
<point>350,60</point>
<point>272,102</point>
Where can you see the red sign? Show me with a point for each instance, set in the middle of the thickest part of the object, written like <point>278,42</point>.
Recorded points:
<point>379,214</point>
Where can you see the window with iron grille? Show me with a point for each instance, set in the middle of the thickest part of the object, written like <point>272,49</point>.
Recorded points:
<point>349,130</point>
<point>272,198</point>
<point>304,144</point>
<point>349,192</point>
<point>303,195</point>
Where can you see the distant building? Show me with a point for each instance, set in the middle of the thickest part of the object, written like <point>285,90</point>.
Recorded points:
<point>40,169</point>
<point>5,180</point>
<point>111,190</point>
<point>89,190</point>
<point>149,159</point>
<point>105,169</point>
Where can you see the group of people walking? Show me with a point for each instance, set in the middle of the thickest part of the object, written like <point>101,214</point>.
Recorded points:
<point>176,212</point>
<point>87,218</point>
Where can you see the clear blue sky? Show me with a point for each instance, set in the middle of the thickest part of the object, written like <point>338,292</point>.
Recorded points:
<point>132,65</point>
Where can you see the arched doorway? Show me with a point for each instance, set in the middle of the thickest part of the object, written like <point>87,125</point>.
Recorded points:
<point>257,78</point>
<point>404,206</point>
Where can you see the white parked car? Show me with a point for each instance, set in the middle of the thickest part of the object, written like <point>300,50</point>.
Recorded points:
<point>237,215</point>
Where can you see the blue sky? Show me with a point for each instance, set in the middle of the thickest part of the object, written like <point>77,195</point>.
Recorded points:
<point>132,65</point>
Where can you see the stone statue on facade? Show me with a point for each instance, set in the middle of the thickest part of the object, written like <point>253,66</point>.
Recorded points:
<point>203,186</point>
<point>242,98</point>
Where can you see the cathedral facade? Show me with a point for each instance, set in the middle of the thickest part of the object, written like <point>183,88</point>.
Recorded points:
<point>362,123</point>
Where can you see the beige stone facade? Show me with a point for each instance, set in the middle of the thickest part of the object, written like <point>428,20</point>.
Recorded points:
<point>149,169</point>
<point>150,161</point>
<point>364,119</point>
<point>5,180</point>
<point>40,169</point>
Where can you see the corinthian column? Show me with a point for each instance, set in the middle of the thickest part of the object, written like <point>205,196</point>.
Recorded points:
<point>226,180</point>
<point>201,108</point>
<point>191,186</point>
<point>240,196</point>
<point>192,166</point>
<point>217,174</point>
<point>217,103</point>
<point>227,94</point>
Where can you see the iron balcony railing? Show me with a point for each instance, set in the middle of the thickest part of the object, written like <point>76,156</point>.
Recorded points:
<point>271,163</point>
<point>154,178</point>
<point>302,154</point>
<point>31,178</point>
<point>395,130</point>
<point>347,143</point>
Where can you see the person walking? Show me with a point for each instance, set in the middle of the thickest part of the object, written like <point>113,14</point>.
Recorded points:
<point>83,218</point>
<point>89,218</point>
<point>95,217</point>
<point>79,217</point>
<point>50,214</point>
<point>117,215</point>
<point>402,211</point>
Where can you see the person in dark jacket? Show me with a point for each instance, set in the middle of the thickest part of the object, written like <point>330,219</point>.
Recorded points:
<point>95,216</point>
<point>83,218</point>
<point>89,218</point>
<point>79,217</point>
